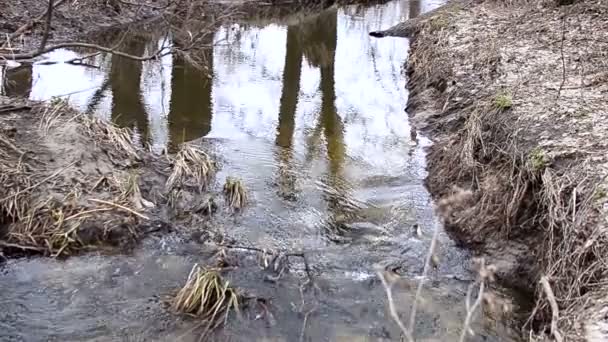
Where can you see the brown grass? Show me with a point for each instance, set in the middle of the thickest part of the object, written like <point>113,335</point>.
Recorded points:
<point>192,167</point>
<point>206,295</point>
<point>52,198</point>
<point>235,193</point>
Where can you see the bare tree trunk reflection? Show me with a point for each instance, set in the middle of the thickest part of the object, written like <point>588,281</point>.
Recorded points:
<point>191,106</point>
<point>320,41</point>
<point>287,111</point>
<point>128,108</point>
<point>414,8</point>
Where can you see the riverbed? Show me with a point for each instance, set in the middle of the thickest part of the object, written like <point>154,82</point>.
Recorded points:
<point>309,112</point>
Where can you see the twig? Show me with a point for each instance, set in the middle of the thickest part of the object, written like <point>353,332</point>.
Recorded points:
<point>55,174</point>
<point>120,207</point>
<point>287,255</point>
<point>10,145</point>
<point>303,331</point>
<point>143,4</point>
<point>561,48</point>
<point>471,309</point>
<point>554,308</point>
<point>391,305</point>
<point>425,271</point>
<point>24,248</point>
<point>82,213</point>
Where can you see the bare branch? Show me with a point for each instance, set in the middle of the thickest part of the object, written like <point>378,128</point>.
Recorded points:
<point>159,53</point>
<point>47,26</point>
<point>471,309</point>
<point>388,287</point>
<point>425,271</point>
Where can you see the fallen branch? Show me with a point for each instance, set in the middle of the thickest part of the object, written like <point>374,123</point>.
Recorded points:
<point>277,255</point>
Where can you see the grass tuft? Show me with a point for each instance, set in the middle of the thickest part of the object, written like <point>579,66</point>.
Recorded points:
<point>208,296</point>
<point>191,167</point>
<point>538,159</point>
<point>120,138</point>
<point>235,193</point>
<point>503,101</point>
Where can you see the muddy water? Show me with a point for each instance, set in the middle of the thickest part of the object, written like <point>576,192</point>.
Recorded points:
<point>309,112</point>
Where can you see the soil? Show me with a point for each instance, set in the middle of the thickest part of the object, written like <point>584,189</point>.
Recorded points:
<point>514,96</point>
<point>73,183</point>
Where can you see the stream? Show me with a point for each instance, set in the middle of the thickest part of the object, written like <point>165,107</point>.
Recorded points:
<point>309,112</point>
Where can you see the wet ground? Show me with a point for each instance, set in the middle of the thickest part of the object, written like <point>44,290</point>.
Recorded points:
<point>309,112</point>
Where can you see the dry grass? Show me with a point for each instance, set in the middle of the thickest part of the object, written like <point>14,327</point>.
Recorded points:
<point>536,178</point>
<point>120,138</point>
<point>52,197</point>
<point>235,193</point>
<point>192,167</point>
<point>208,296</point>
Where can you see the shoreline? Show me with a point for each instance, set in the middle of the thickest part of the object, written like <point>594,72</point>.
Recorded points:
<point>526,191</point>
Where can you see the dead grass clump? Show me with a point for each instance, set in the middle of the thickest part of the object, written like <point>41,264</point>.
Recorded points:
<point>107,132</point>
<point>51,114</point>
<point>208,296</point>
<point>192,167</point>
<point>235,193</point>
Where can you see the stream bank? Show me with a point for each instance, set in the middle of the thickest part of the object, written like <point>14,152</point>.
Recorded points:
<point>514,96</point>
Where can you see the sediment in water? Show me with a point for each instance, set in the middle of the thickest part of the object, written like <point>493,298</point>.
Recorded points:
<point>513,94</point>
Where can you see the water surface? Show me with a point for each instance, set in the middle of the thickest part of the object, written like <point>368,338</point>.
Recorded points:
<point>309,112</point>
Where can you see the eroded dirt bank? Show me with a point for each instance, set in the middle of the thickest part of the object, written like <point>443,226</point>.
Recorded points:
<point>514,96</point>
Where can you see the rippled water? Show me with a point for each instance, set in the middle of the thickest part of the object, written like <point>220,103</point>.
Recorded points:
<point>309,112</point>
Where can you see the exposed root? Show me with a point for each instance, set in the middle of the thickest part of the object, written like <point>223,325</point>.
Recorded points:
<point>235,193</point>
<point>208,296</point>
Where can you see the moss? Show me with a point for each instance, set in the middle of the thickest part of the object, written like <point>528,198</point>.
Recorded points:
<point>503,101</point>
<point>600,194</point>
<point>538,159</point>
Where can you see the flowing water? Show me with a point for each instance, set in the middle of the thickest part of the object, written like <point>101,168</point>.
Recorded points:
<point>309,112</point>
